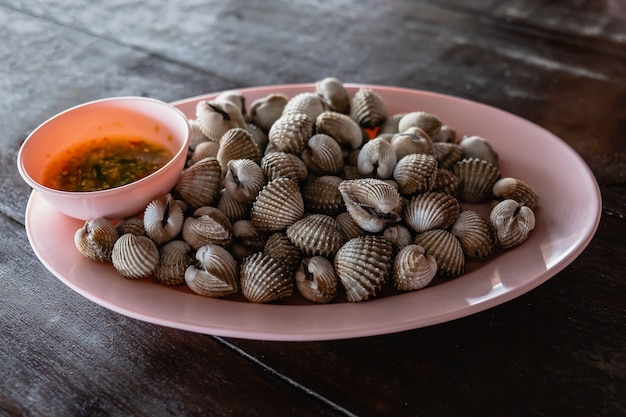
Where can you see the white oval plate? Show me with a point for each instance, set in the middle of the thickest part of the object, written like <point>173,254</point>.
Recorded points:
<point>566,221</point>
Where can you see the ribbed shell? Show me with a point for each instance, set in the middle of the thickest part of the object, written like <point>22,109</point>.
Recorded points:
<point>235,97</point>
<point>207,225</point>
<point>316,280</point>
<point>283,164</point>
<point>479,148</point>
<point>307,103</point>
<point>244,179</point>
<point>368,108</point>
<point>216,118</point>
<point>474,234</point>
<point>363,265</point>
<point>447,154</point>
<point>133,225</point>
<point>279,246</point>
<point>398,235</point>
<point>214,274</point>
<point>416,173</point>
<point>447,182</point>
<point>203,150</point>
<point>163,219</point>
<point>266,110</point>
<point>372,203</point>
<point>476,177</point>
<point>196,136</point>
<point>322,155</point>
<point>332,91</point>
<point>237,144</point>
<point>511,223</point>
<point>377,159</point>
<point>340,127</point>
<point>431,210</point>
<point>316,234</point>
<point>277,205</point>
<point>321,195</point>
<point>413,269</point>
<point>429,123</point>
<point>349,227</point>
<point>515,189</point>
<point>445,248</point>
<point>199,184</point>
<point>290,132</point>
<point>96,238</point>
<point>413,140</point>
<point>234,210</point>
<point>134,257</point>
<point>174,258</point>
<point>264,279</point>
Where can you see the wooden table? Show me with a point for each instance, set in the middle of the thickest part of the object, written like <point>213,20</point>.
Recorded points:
<point>558,350</point>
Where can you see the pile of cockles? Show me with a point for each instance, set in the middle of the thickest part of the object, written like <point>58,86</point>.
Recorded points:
<point>323,193</point>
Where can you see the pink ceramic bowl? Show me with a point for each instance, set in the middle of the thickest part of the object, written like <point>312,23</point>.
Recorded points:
<point>132,116</point>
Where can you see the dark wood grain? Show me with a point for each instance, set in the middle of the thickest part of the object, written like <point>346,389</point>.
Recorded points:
<point>558,350</point>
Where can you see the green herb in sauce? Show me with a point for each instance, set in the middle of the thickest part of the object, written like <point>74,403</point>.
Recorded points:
<point>105,163</point>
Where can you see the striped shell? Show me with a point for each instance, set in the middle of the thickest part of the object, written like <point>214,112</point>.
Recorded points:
<point>214,274</point>
<point>368,108</point>
<point>416,173</point>
<point>134,257</point>
<point>96,238</point>
<point>321,195</point>
<point>372,203</point>
<point>479,148</point>
<point>316,234</point>
<point>307,103</point>
<point>244,179</point>
<point>316,280</point>
<point>279,246</point>
<point>427,122</point>
<point>476,177</point>
<point>340,127</point>
<point>377,159</point>
<point>332,91</point>
<point>163,219</point>
<point>266,110</point>
<point>447,182</point>
<point>322,155</point>
<point>283,164</point>
<point>237,144</point>
<point>277,205</point>
<point>445,248</point>
<point>133,225</point>
<point>511,223</point>
<point>431,210</point>
<point>264,279</point>
<point>474,234</point>
<point>447,154</point>
<point>363,266</point>
<point>399,235</point>
<point>413,269</point>
<point>290,132</point>
<point>232,209</point>
<point>349,227</point>
<point>207,225</point>
<point>199,184</point>
<point>174,258</point>
<point>413,140</point>
<point>518,190</point>
<point>216,118</point>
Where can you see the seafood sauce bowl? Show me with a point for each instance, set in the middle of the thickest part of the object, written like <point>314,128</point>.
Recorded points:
<point>91,145</point>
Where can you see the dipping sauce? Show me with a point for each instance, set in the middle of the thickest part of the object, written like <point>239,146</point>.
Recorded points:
<point>104,163</point>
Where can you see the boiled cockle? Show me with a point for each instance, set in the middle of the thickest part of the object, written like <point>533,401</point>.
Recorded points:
<point>174,258</point>
<point>316,280</point>
<point>163,219</point>
<point>243,180</point>
<point>377,159</point>
<point>511,223</point>
<point>372,203</point>
<point>134,257</point>
<point>334,94</point>
<point>413,269</point>
<point>515,189</point>
<point>96,238</point>
<point>278,205</point>
<point>264,279</point>
<point>214,274</point>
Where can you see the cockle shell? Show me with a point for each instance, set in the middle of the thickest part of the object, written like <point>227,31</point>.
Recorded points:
<point>244,179</point>
<point>340,127</point>
<point>515,189</point>
<point>279,246</point>
<point>216,118</point>
<point>290,132</point>
<point>235,97</point>
<point>264,279</point>
<point>445,248</point>
<point>307,103</point>
<point>368,108</point>
<point>363,265</point>
<point>277,205</point>
<point>415,173</point>
<point>203,150</point>
<point>372,203</point>
<point>234,210</point>
<point>132,225</point>
<point>246,239</point>
<point>447,154</point>
<point>477,177</point>
<point>349,226</point>
<point>316,280</point>
<point>266,110</point>
<point>322,155</point>
<point>321,195</point>
<point>399,235</point>
<point>283,164</point>
<point>237,144</point>
<point>377,159</point>
<point>96,238</point>
<point>447,182</point>
<point>478,147</point>
<point>427,122</point>
<point>174,258</point>
<point>413,140</point>
<point>413,269</point>
<point>431,210</point>
<point>511,223</point>
<point>163,219</point>
<point>207,225</point>
<point>215,272</point>
<point>474,234</point>
<point>199,184</point>
<point>316,234</point>
<point>134,257</point>
<point>334,94</point>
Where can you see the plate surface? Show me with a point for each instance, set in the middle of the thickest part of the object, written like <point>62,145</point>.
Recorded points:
<point>566,221</point>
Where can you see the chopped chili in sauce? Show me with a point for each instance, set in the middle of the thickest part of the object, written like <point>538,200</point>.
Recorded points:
<point>104,163</point>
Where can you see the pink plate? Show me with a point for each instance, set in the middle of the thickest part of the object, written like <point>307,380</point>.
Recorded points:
<point>566,221</point>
